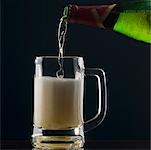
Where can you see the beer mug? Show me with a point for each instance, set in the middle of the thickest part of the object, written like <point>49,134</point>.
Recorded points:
<point>58,102</point>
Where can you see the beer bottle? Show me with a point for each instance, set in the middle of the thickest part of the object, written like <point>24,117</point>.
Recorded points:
<point>129,18</point>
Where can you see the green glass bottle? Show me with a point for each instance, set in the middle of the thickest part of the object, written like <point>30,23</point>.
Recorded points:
<point>129,18</point>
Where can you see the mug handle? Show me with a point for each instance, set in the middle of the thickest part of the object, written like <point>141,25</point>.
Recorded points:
<point>102,91</point>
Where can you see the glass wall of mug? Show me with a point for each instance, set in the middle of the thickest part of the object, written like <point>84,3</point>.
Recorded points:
<point>58,102</point>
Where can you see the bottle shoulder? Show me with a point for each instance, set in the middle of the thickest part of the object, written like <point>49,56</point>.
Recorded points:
<point>135,6</point>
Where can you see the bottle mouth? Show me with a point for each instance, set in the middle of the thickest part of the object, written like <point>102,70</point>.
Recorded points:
<point>67,12</point>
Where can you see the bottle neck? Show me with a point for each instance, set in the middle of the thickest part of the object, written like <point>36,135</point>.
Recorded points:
<point>103,16</point>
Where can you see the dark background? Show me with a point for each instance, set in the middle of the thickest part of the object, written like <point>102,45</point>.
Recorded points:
<point>29,28</point>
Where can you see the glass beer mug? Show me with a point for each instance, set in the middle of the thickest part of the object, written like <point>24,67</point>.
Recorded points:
<point>58,102</point>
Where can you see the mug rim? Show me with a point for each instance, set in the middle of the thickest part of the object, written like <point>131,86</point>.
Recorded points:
<point>58,57</point>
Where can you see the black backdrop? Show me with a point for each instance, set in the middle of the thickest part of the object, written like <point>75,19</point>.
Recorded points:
<point>29,28</point>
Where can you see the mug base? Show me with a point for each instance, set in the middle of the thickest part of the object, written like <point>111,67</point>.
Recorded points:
<point>58,142</point>
<point>58,139</point>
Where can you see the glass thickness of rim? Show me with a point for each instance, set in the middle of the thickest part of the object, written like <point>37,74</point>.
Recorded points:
<point>57,57</point>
